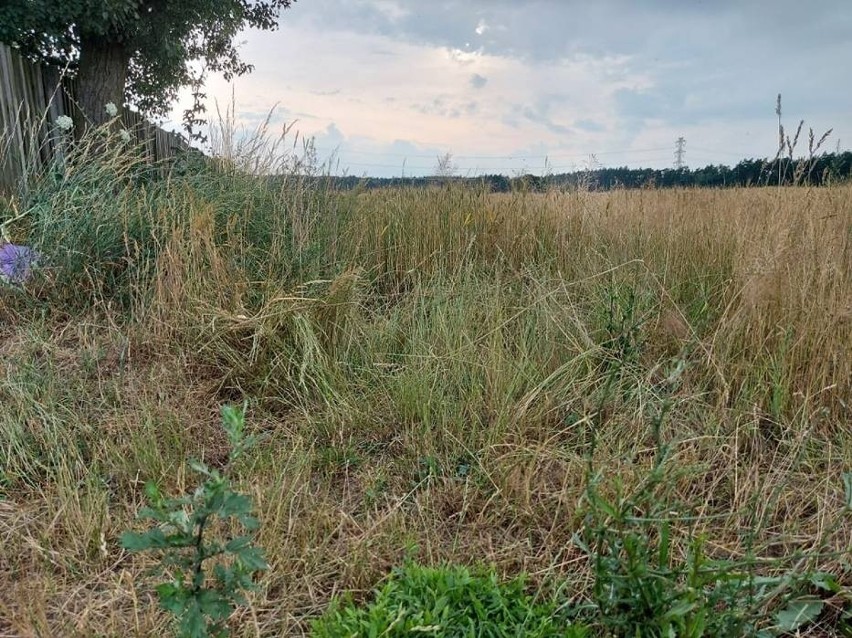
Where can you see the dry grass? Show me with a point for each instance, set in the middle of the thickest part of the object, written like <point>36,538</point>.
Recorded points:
<point>432,374</point>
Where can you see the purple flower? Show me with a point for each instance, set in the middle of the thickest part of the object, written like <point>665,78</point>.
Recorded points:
<point>16,262</point>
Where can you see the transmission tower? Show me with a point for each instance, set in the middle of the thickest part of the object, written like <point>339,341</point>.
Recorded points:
<point>680,151</point>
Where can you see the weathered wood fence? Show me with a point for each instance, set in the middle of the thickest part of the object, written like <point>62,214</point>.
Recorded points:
<point>32,97</point>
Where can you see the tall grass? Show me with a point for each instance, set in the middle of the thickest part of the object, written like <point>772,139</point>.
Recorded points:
<point>441,372</point>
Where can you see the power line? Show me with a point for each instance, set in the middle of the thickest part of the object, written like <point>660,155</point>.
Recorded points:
<point>714,151</point>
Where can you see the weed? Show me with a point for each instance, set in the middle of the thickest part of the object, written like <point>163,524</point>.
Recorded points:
<point>641,587</point>
<point>202,598</point>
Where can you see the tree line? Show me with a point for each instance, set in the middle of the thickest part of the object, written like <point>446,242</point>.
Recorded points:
<point>816,171</point>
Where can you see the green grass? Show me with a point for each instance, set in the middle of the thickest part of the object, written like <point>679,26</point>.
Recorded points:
<point>447,601</point>
<point>614,394</point>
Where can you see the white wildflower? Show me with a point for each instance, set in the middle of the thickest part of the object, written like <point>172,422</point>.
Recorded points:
<point>124,134</point>
<point>111,109</point>
<point>64,122</point>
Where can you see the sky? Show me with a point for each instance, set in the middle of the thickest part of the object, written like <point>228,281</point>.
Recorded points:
<point>386,87</point>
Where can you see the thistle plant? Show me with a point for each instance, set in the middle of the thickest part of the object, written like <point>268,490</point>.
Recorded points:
<point>209,569</point>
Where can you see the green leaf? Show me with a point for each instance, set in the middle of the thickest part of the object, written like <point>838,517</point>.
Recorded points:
<point>681,609</point>
<point>235,504</point>
<point>602,504</point>
<point>198,466</point>
<point>252,559</point>
<point>248,521</point>
<point>237,544</point>
<point>172,597</point>
<point>826,582</point>
<point>847,487</point>
<point>799,612</point>
<point>181,539</point>
<point>152,492</point>
<point>148,512</point>
<point>233,420</point>
<point>180,520</point>
<point>136,542</point>
<point>213,604</point>
<point>192,623</point>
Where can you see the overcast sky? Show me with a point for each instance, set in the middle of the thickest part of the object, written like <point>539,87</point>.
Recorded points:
<point>532,85</point>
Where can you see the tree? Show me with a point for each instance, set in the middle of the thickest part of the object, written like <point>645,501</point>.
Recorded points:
<point>136,51</point>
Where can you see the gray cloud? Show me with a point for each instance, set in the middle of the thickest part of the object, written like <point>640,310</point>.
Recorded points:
<point>752,45</point>
<point>625,72</point>
<point>445,106</point>
<point>478,81</point>
<point>535,116</point>
<point>555,29</point>
<point>540,113</point>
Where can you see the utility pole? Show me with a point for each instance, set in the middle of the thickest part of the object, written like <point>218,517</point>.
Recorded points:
<point>680,151</point>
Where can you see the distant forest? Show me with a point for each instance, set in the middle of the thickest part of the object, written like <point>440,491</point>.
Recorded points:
<point>816,171</point>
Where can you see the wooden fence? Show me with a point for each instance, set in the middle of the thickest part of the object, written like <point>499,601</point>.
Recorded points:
<point>32,97</point>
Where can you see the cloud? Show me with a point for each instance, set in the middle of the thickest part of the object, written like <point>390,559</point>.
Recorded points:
<point>541,112</point>
<point>331,136</point>
<point>589,125</point>
<point>478,81</point>
<point>447,107</point>
<point>551,77</point>
<point>644,104</point>
<point>535,115</point>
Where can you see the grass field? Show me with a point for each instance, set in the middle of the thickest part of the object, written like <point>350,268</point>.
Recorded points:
<point>530,382</point>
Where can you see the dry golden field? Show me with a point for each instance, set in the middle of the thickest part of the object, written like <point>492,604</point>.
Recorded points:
<point>439,374</point>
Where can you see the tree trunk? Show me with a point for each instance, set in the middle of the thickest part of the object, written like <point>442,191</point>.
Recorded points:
<point>100,80</point>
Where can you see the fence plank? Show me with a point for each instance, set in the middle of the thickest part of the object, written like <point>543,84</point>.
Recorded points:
<point>32,97</point>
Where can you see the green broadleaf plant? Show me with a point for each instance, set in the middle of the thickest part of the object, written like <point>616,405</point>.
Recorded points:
<point>209,573</point>
<point>799,612</point>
